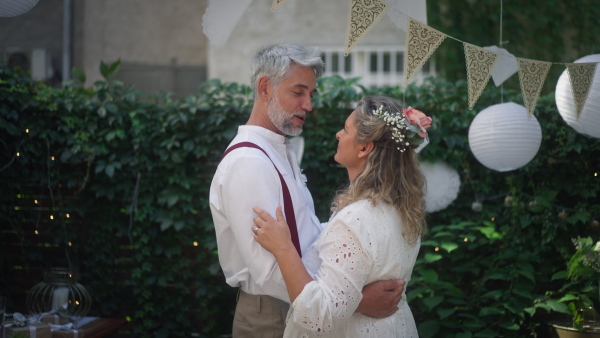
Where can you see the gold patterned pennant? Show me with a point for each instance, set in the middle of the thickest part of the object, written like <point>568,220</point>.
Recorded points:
<point>532,75</point>
<point>362,16</point>
<point>422,41</point>
<point>277,4</point>
<point>480,63</point>
<point>581,76</point>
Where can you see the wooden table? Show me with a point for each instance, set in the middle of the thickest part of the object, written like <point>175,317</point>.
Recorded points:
<point>100,327</point>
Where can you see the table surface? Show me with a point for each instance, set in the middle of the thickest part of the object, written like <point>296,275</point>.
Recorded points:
<point>102,327</point>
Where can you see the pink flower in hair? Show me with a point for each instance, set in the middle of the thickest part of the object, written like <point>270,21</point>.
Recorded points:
<point>417,117</point>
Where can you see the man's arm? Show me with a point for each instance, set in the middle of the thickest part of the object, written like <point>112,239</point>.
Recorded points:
<point>381,298</point>
<point>252,181</point>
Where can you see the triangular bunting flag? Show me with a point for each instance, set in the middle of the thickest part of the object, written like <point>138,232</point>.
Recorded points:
<point>531,76</point>
<point>505,67</point>
<point>581,76</point>
<point>422,41</point>
<point>277,4</point>
<point>480,63</point>
<point>362,16</point>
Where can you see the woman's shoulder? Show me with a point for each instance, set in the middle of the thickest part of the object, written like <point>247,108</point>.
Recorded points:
<point>366,206</point>
<point>363,210</point>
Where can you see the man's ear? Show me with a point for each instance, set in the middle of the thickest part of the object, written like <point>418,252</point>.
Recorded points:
<point>366,149</point>
<point>264,88</point>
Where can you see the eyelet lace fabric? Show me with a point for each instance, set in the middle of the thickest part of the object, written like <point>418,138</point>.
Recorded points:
<point>360,245</point>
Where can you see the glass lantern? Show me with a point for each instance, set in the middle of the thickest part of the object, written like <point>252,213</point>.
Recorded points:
<point>59,294</point>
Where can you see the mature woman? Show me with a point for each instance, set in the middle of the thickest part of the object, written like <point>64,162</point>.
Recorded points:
<point>373,234</point>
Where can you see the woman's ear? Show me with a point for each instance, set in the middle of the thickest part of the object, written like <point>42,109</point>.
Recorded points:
<point>264,88</point>
<point>366,149</point>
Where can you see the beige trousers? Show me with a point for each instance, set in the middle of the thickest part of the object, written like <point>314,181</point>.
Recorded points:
<point>259,316</point>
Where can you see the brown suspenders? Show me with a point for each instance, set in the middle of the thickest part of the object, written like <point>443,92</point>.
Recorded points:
<point>288,206</point>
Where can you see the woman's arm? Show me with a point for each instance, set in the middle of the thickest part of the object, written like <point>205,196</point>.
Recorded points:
<point>274,236</point>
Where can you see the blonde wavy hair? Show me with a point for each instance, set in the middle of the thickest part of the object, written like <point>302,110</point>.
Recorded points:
<point>390,176</point>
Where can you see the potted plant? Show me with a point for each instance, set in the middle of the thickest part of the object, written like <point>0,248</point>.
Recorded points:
<point>574,298</point>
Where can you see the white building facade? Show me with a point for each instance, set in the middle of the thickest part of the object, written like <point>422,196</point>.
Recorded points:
<point>378,59</point>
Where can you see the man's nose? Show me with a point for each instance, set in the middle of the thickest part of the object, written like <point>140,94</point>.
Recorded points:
<point>307,104</point>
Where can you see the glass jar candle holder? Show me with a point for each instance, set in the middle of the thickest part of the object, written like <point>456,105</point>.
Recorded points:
<point>59,294</point>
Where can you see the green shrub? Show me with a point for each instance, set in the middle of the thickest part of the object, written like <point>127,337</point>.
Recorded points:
<point>122,179</point>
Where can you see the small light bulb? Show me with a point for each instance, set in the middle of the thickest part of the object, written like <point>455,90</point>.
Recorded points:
<point>36,232</point>
<point>493,219</point>
<point>437,249</point>
<point>52,158</point>
<point>51,217</point>
<point>466,239</point>
<point>70,244</point>
<point>67,215</point>
<point>35,201</point>
<point>18,154</point>
<point>27,130</point>
<point>195,243</point>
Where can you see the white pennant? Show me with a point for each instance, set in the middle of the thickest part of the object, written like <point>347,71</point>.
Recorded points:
<point>581,76</point>
<point>220,19</point>
<point>480,63</point>
<point>363,15</point>
<point>505,67</point>
<point>421,42</point>
<point>532,75</point>
<point>401,10</point>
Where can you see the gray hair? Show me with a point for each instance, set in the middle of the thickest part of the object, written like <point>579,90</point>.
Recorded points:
<point>275,61</point>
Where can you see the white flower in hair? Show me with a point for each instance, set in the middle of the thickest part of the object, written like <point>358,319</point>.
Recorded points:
<point>408,127</point>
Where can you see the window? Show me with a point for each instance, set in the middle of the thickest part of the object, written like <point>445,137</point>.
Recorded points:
<point>348,64</point>
<point>335,63</point>
<point>399,62</point>
<point>374,65</point>
<point>373,62</point>
<point>386,62</point>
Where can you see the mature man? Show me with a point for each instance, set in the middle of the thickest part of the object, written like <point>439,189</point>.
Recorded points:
<point>260,169</point>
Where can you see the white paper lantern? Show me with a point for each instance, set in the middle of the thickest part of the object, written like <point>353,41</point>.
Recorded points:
<point>10,8</point>
<point>502,137</point>
<point>589,120</point>
<point>443,183</point>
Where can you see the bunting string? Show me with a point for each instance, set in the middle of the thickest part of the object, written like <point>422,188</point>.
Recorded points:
<point>421,41</point>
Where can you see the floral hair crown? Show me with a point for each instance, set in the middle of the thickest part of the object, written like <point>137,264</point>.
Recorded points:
<point>408,128</point>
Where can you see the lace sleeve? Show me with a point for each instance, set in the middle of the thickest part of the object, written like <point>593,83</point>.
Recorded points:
<point>346,262</point>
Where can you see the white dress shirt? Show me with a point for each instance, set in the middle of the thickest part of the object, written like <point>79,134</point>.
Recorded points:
<point>246,178</point>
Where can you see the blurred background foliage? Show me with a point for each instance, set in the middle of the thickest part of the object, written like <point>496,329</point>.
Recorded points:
<point>115,183</point>
<point>554,31</point>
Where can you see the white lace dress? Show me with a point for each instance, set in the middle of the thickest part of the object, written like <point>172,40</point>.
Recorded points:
<point>361,244</point>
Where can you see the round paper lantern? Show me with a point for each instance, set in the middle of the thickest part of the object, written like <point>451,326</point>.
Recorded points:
<point>443,183</point>
<point>588,122</point>
<point>502,137</point>
<point>10,8</point>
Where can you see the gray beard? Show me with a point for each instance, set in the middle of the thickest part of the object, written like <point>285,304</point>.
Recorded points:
<point>279,117</point>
